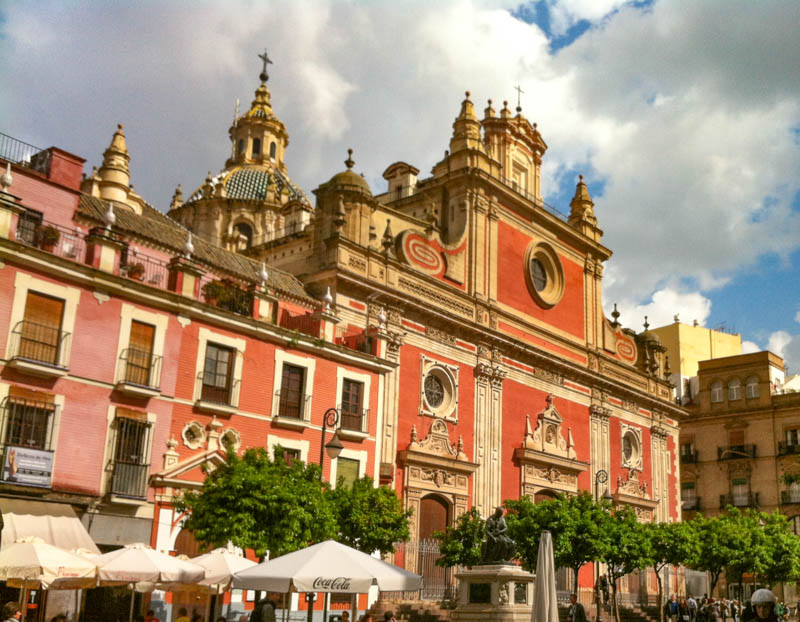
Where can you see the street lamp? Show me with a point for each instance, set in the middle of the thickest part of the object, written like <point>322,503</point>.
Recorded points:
<point>601,477</point>
<point>334,446</point>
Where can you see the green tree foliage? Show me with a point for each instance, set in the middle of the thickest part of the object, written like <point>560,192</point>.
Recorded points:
<point>369,518</point>
<point>460,545</point>
<point>782,550</point>
<point>260,503</point>
<point>748,542</point>
<point>668,544</point>
<point>627,550</point>
<point>576,522</point>
<point>717,546</point>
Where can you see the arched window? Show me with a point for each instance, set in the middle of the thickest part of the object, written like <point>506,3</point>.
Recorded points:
<point>433,515</point>
<point>272,149</point>
<point>246,230</point>
<point>716,391</point>
<point>256,147</point>
<point>751,387</point>
<point>734,389</point>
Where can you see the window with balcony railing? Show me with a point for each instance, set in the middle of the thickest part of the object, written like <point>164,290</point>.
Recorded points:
<point>352,413</point>
<point>291,397</point>
<point>217,374</point>
<point>138,357</point>
<point>28,423</point>
<point>736,452</point>
<point>38,337</point>
<point>792,495</point>
<point>131,465</point>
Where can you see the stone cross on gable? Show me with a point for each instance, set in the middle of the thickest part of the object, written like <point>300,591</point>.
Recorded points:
<point>519,91</point>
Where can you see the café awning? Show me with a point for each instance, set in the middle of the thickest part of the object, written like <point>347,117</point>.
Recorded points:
<point>55,523</point>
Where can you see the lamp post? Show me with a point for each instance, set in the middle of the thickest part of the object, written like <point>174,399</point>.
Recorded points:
<point>334,446</point>
<point>601,477</point>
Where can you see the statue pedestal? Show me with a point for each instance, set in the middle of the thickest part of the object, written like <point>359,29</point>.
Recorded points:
<point>494,593</point>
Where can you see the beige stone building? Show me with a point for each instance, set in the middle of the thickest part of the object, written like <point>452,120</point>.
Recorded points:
<point>740,436</point>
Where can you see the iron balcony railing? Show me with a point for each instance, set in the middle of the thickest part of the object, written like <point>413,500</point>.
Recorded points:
<point>40,343</point>
<point>353,419</point>
<point>130,479</point>
<point>691,504</point>
<point>17,151</point>
<point>292,404</point>
<point>216,393</point>
<point>689,458</point>
<point>790,496</point>
<point>749,500</point>
<point>148,270</point>
<point>140,367</point>
<point>785,449</point>
<point>53,238</point>
<point>736,452</point>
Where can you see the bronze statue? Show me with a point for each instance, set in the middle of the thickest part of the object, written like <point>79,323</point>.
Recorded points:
<point>498,548</point>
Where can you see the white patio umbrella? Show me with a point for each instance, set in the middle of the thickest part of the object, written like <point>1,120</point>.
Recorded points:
<point>545,606</point>
<point>32,563</point>
<point>143,567</point>
<point>220,565</point>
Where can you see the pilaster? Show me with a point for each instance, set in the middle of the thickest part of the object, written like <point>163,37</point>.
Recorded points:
<point>487,493</point>
<point>103,251</point>
<point>184,277</point>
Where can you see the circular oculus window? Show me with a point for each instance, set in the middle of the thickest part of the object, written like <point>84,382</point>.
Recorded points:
<point>630,449</point>
<point>544,274</point>
<point>438,389</point>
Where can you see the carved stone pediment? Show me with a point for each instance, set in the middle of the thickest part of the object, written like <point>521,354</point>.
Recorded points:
<point>634,493</point>
<point>548,436</point>
<point>437,451</point>
<point>547,457</point>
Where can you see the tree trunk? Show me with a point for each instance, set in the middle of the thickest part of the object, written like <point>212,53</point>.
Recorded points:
<point>660,595</point>
<point>576,570</point>
<point>614,579</point>
<point>714,579</point>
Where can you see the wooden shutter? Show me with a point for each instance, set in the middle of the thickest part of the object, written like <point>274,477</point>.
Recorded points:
<point>44,309</point>
<point>736,437</point>
<point>142,336</point>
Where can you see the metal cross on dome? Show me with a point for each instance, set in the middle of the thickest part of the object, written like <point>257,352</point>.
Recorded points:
<point>519,90</point>
<point>264,75</point>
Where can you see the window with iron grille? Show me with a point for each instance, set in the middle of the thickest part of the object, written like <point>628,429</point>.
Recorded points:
<point>28,423</point>
<point>352,401</point>
<point>40,331</point>
<point>292,395</point>
<point>27,226</point>
<point>347,471</point>
<point>131,464</point>
<point>139,355</point>
<point>217,374</point>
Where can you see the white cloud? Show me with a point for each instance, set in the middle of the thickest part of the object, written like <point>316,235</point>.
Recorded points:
<point>662,308</point>
<point>778,341</point>
<point>797,317</point>
<point>748,347</point>
<point>567,13</point>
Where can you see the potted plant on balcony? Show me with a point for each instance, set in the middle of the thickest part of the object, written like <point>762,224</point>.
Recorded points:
<point>214,291</point>
<point>48,237</point>
<point>136,271</point>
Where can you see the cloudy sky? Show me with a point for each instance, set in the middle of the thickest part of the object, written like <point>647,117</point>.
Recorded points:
<point>683,115</point>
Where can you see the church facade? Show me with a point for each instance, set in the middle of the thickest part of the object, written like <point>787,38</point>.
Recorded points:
<point>510,380</point>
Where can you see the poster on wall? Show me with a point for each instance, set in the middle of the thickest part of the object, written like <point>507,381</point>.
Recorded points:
<point>30,467</point>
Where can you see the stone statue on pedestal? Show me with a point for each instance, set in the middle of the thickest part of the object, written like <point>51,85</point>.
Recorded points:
<point>498,548</point>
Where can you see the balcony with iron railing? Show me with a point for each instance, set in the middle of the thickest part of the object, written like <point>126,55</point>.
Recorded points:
<point>129,479</point>
<point>353,422</point>
<point>736,452</point>
<point>787,449</point>
<point>689,458</point>
<point>145,269</point>
<point>19,152</point>
<point>292,409</point>
<point>216,396</point>
<point>790,497</point>
<point>40,349</point>
<point>745,500</point>
<point>139,372</point>
<point>56,239</point>
<point>691,505</point>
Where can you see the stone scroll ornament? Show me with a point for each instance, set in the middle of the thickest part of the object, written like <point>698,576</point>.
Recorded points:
<point>498,547</point>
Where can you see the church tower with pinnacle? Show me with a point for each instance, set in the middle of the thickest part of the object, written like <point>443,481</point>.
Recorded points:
<point>252,200</point>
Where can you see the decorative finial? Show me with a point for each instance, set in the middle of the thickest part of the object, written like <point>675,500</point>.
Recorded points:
<point>264,75</point>
<point>505,103</point>
<point>382,318</point>
<point>580,178</point>
<point>466,94</point>
<point>263,274</point>
<point>6,179</point>
<point>327,299</point>
<point>519,96</point>
<point>188,247</point>
<point>349,163</point>
<point>388,236</point>
<point>675,318</point>
<point>549,400</point>
<point>646,325</point>
<point>119,126</point>
<point>110,217</point>
<point>615,315</point>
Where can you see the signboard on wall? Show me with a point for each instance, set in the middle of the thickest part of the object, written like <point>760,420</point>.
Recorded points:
<point>29,467</point>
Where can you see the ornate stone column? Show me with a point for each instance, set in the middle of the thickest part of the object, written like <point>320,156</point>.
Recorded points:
<point>488,435</point>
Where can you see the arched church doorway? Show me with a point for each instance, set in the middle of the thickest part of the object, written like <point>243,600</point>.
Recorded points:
<point>434,515</point>
<point>242,228</point>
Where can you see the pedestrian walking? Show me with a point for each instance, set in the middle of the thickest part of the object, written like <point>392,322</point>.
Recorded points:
<point>576,612</point>
<point>692,603</point>
<point>763,602</point>
<point>672,609</point>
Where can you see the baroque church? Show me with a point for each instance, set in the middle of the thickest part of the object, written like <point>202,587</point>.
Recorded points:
<point>507,378</point>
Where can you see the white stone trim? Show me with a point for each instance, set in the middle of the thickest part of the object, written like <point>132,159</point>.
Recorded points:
<point>288,443</point>
<point>238,345</point>
<point>364,379</point>
<point>309,364</point>
<point>128,314</point>
<point>111,443</point>
<point>352,454</point>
